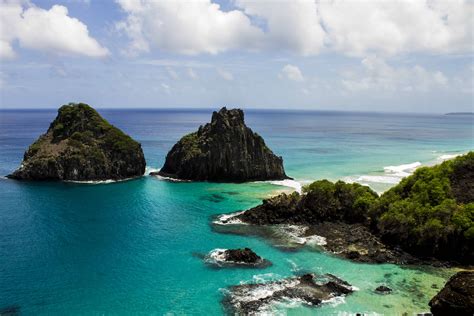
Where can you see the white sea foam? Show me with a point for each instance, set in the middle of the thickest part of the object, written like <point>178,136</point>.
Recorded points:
<point>264,277</point>
<point>296,234</point>
<point>377,179</point>
<point>448,156</point>
<point>248,294</point>
<point>229,219</point>
<point>149,169</point>
<point>334,301</point>
<point>288,183</point>
<point>168,178</point>
<point>216,256</point>
<point>402,170</point>
<point>392,174</point>
<point>99,181</point>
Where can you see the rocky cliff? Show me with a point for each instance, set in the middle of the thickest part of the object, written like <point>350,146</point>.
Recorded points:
<point>457,296</point>
<point>225,150</point>
<point>80,145</point>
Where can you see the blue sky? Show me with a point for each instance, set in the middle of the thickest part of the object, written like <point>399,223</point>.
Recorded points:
<point>398,56</point>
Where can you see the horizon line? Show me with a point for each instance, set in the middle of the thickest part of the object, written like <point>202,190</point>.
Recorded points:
<point>246,109</point>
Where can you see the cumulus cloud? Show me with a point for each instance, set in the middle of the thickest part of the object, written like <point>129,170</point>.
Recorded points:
<point>304,27</point>
<point>185,27</point>
<point>291,72</point>
<point>52,31</point>
<point>379,76</point>
<point>391,27</point>
<point>291,25</point>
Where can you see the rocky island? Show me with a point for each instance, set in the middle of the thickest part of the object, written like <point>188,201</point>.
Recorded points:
<point>244,257</point>
<point>225,150</point>
<point>428,217</point>
<point>309,289</point>
<point>81,146</point>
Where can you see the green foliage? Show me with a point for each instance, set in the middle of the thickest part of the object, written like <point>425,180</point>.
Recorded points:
<point>82,125</point>
<point>190,143</point>
<point>422,212</point>
<point>338,201</point>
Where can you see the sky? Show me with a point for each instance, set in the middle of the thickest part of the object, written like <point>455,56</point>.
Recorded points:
<point>359,55</point>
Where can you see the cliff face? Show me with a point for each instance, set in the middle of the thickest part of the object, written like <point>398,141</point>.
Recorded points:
<point>457,296</point>
<point>225,150</point>
<point>80,145</point>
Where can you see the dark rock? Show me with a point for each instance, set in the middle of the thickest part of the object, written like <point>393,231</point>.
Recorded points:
<point>353,255</point>
<point>13,310</point>
<point>309,289</point>
<point>245,257</point>
<point>80,145</point>
<point>225,150</point>
<point>382,289</point>
<point>457,296</point>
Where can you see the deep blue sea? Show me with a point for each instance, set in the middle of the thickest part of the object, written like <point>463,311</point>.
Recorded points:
<point>133,247</point>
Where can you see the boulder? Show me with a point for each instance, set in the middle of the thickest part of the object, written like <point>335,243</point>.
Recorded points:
<point>457,296</point>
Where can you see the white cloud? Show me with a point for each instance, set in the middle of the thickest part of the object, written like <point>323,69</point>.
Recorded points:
<point>224,74</point>
<point>185,27</point>
<point>52,31</point>
<point>292,25</point>
<point>291,72</point>
<point>192,74</point>
<point>304,27</point>
<point>378,76</point>
<point>392,27</point>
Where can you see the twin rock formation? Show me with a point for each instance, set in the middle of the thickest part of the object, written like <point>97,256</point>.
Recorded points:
<point>225,150</point>
<point>81,146</point>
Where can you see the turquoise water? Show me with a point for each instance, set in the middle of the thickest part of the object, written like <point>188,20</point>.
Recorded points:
<point>133,247</point>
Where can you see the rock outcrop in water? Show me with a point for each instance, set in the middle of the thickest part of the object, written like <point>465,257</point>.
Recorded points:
<point>80,145</point>
<point>225,150</point>
<point>244,257</point>
<point>457,296</point>
<point>309,290</point>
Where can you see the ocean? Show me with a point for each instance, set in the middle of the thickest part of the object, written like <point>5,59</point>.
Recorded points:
<point>135,247</point>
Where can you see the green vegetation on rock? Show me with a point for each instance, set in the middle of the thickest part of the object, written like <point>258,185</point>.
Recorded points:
<point>429,214</point>
<point>81,145</point>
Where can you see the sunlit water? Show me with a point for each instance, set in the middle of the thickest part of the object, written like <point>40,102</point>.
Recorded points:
<point>134,246</point>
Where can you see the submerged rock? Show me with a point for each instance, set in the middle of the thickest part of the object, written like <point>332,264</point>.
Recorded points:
<point>225,150</point>
<point>457,296</point>
<point>13,310</point>
<point>382,289</point>
<point>351,241</point>
<point>80,145</point>
<point>236,257</point>
<point>308,289</point>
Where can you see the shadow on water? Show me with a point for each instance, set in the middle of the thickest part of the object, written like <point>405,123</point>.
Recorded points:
<point>12,310</point>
